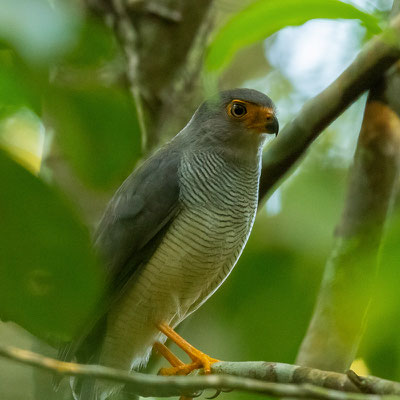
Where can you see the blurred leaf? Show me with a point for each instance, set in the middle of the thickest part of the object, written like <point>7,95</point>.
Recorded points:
<point>17,85</point>
<point>49,277</point>
<point>95,44</point>
<point>39,29</point>
<point>22,136</point>
<point>263,18</point>
<point>97,130</point>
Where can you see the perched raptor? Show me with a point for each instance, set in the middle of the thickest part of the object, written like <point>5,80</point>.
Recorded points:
<point>173,232</point>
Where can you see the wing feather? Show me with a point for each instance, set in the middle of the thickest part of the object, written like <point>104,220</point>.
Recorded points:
<point>133,225</point>
<point>136,216</point>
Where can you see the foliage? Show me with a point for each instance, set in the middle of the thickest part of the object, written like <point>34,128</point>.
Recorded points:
<point>50,278</point>
<point>65,67</point>
<point>53,62</point>
<point>263,18</point>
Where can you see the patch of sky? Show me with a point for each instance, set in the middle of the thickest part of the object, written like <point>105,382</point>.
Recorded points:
<point>305,61</point>
<point>39,29</point>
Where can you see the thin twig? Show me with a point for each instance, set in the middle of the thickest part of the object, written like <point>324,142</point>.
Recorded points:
<point>185,89</point>
<point>129,40</point>
<point>160,386</point>
<point>285,373</point>
<point>372,384</point>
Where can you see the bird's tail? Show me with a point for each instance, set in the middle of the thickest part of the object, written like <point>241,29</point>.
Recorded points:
<point>84,389</point>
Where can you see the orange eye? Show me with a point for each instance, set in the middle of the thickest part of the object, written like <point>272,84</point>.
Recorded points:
<point>238,110</point>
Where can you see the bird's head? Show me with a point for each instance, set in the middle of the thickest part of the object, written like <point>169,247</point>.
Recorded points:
<point>235,121</point>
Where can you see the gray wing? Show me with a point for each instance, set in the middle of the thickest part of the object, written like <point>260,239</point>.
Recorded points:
<point>138,216</point>
<point>133,225</point>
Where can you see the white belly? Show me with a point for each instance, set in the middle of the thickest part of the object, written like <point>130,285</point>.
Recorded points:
<point>194,258</point>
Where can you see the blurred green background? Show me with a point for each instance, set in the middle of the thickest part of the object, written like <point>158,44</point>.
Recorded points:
<point>69,135</point>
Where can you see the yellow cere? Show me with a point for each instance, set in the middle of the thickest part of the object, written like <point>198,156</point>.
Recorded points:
<point>255,117</point>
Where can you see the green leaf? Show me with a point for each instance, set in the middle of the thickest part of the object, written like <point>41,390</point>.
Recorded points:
<point>50,280</point>
<point>96,44</point>
<point>265,17</point>
<point>98,131</point>
<point>17,84</point>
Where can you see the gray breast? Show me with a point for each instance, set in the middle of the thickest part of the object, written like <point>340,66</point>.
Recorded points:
<point>219,204</point>
<point>203,243</point>
<point>206,179</point>
<point>197,253</point>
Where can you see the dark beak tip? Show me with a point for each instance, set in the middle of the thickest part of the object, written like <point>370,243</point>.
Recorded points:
<point>273,127</point>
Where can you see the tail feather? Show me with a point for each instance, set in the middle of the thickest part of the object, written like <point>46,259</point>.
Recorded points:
<point>85,350</point>
<point>86,389</point>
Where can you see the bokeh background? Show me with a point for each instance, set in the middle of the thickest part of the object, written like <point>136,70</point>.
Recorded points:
<point>263,309</point>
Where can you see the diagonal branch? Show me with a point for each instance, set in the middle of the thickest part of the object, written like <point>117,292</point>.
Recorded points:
<point>296,379</point>
<point>369,66</point>
<point>335,330</point>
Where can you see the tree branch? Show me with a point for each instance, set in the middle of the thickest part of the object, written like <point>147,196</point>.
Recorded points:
<point>162,60</point>
<point>335,330</point>
<point>296,380</point>
<point>129,40</point>
<point>285,373</point>
<point>368,67</point>
<point>155,69</point>
<point>372,384</point>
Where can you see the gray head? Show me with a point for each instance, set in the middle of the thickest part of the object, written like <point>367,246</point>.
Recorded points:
<point>235,122</point>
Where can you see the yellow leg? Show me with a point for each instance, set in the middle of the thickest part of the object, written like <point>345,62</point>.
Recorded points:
<point>167,354</point>
<point>199,359</point>
<point>179,367</point>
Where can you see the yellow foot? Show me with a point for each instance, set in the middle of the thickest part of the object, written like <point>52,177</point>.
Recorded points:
<point>199,359</point>
<point>184,369</point>
<point>179,367</point>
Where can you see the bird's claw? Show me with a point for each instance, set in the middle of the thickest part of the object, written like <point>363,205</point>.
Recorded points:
<point>204,361</point>
<point>215,395</point>
<point>200,360</point>
<point>218,392</point>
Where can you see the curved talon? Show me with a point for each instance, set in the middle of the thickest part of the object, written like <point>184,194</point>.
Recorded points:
<point>227,390</point>
<point>191,396</point>
<point>217,393</point>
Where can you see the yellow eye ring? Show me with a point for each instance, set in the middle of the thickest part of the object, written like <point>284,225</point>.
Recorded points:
<point>238,110</point>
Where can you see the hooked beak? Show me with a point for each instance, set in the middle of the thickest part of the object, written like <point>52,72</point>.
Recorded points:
<point>272,125</point>
<point>262,120</point>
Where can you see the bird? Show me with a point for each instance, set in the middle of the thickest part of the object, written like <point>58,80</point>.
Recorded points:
<point>171,235</point>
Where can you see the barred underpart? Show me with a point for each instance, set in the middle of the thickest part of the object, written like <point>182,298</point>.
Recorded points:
<point>202,245</point>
